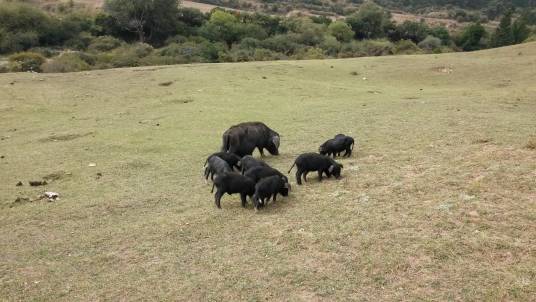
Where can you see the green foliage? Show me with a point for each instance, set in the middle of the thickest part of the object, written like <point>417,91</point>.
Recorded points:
<point>221,26</point>
<point>366,48</point>
<point>430,43</point>
<point>441,33</point>
<point>26,61</point>
<point>341,31</point>
<point>262,54</point>
<point>21,26</point>
<point>520,31</point>
<point>370,22</point>
<point>156,17</point>
<point>46,52</point>
<point>104,43</point>
<point>309,53</point>
<point>331,46</point>
<point>503,34</point>
<point>129,55</point>
<point>406,47</point>
<point>410,30</point>
<point>472,37</point>
<point>80,41</point>
<point>68,62</point>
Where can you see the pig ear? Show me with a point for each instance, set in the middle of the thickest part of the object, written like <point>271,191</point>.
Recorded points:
<point>331,168</point>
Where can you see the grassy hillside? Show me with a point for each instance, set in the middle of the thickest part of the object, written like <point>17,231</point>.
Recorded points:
<point>438,203</point>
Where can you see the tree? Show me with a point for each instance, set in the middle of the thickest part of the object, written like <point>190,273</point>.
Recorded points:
<point>504,35</point>
<point>152,20</point>
<point>222,26</point>
<point>341,31</point>
<point>370,22</point>
<point>472,37</point>
<point>410,30</point>
<point>520,31</point>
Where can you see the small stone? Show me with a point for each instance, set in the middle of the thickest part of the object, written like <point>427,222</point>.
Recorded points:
<point>19,184</point>
<point>92,165</point>
<point>2,156</point>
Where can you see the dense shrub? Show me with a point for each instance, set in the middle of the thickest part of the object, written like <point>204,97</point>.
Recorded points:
<point>26,61</point>
<point>45,51</point>
<point>104,43</point>
<point>127,55</point>
<point>80,41</point>
<point>309,53</point>
<point>331,46</point>
<point>366,48</point>
<point>67,62</point>
<point>262,54</point>
<point>341,31</point>
<point>473,37</point>
<point>430,43</point>
<point>406,47</point>
<point>17,41</point>
<point>22,26</point>
<point>370,22</point>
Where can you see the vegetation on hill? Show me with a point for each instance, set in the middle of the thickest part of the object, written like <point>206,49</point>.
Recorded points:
<point>138,33</point>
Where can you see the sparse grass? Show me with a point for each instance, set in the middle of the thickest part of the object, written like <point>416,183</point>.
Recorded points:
<point>422,212</point>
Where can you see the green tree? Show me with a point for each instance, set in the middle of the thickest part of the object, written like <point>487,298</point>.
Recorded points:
<point>153,20</point>
<point>221,26</point>
<point>370,22</point>
<point>520,31</point>
<point>472,37</point>
<point>503,34</point>
<point>341,30</point>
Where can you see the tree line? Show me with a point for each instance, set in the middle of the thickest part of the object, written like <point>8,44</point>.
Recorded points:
<point>130,33</point>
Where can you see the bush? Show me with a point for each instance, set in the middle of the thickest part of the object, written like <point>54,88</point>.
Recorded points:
<point>341,31</point>
<point>262,54</point>
<point>127,55</point>
<point>80,42</point>
<point>104,43</point>
<point>45,51</point>
<point>176,39</point>
<point>22,25</point>
<point>406,47</point>
<point>430,43</point>
<point>26,61</point>
<point>331,46</point>
<point>308,53</point>
<point>68,62</point>
<point>366,48</point>
<point>17,41</point>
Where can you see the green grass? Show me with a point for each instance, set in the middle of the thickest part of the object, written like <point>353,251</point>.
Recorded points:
<point>439,202</point>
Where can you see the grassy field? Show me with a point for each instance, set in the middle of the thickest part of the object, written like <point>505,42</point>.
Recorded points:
<point>438,203</point>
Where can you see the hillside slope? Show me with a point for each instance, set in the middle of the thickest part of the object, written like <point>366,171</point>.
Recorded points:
<point>438,202</point>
